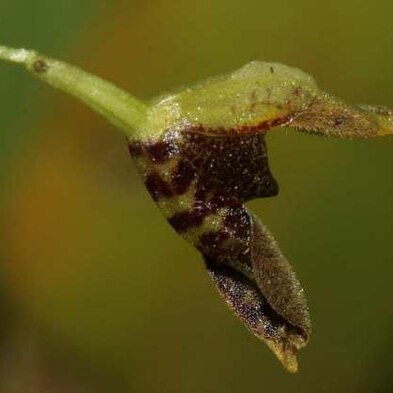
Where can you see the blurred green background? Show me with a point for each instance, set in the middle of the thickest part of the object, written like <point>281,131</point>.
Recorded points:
<point>98,294</point>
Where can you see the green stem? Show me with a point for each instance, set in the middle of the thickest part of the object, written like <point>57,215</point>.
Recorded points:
<point>116,105</point>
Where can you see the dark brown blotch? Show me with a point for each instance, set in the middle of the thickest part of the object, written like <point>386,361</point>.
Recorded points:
<point>188,219</point>
<point>161,151</point>
<point>182,177</point>
<point>202,189</point>
<point>212,243</point>
<point>157,187</point>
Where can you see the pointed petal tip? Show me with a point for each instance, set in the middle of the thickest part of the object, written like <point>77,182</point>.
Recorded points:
<point>286,353</point>
<point>285,347</point>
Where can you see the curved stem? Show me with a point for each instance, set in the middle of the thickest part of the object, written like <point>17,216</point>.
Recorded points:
<point>116,105</point>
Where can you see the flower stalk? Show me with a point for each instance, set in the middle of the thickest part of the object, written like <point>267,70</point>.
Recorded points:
<point>118,106</point>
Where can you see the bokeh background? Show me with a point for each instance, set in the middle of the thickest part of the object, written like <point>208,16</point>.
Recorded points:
<point>98,294</point>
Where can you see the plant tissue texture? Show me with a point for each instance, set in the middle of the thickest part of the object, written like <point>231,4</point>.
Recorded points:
<point>202,154</point>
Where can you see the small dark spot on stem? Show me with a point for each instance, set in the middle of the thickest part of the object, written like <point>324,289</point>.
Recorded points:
<point>271,70</point>
<point>40,66</point>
